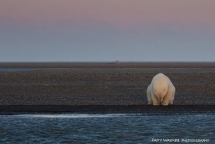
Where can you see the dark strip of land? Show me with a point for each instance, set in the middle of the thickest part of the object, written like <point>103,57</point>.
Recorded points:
<point>108,109</point>
<point>108,90</point>
<point>107,64</point>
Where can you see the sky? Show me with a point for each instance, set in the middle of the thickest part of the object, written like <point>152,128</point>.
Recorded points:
<point>107,30</point>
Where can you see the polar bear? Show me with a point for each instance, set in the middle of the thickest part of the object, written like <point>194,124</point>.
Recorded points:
<point>160,91</point>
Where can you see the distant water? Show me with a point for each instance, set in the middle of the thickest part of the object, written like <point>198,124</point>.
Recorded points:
<point>15,69</point>
<point>105,128</point>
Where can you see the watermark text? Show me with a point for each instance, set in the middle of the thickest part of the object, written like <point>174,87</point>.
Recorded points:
<point>181,140</point>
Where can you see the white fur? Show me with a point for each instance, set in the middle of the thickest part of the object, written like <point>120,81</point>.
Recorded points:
<point>160,91</point>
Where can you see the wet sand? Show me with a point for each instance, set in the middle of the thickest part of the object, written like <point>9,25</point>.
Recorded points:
<point>77,87</point>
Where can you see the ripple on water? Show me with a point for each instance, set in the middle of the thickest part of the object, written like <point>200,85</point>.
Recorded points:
<point>103,128</point>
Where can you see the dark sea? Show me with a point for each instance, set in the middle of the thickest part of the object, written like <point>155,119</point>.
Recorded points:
<point>107,128</point>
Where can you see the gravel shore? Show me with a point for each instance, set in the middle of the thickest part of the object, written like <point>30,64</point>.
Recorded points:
<point>102,86</point>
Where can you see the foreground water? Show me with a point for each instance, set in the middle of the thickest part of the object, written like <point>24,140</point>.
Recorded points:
<point>106,128</point>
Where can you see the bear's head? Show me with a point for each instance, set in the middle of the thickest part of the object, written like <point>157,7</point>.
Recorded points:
<point>160,90</point>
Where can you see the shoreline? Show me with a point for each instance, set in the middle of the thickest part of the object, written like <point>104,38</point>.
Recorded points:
<point>107,109</point>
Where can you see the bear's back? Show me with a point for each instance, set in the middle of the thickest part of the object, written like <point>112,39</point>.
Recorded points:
<point>160,77</point>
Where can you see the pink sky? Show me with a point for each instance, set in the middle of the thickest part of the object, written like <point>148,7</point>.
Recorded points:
<point>127,30</point>
<point>121,13</point>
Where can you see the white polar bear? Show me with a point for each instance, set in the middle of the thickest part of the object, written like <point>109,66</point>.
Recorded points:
<point>160,91</point>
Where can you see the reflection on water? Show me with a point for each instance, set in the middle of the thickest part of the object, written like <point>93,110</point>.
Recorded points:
<point>104,128</point>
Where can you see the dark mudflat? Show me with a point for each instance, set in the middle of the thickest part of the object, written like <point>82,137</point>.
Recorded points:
<point>103,89</point>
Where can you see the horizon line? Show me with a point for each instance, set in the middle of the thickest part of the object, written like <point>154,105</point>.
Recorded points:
<point>109,64</point>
